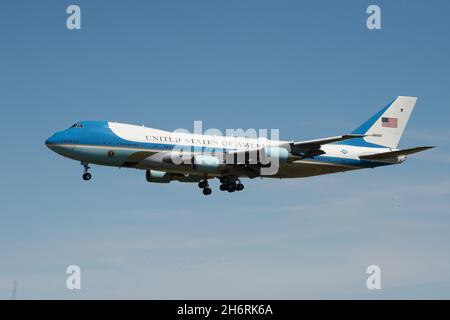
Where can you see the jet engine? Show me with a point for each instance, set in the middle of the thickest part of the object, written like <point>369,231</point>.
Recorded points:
<point>206,164</point>
<point>165,177</point>
<point>159,176</point>
<point>270,154</point>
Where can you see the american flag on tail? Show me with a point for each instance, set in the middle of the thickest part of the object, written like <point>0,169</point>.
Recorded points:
<point>389,122</point>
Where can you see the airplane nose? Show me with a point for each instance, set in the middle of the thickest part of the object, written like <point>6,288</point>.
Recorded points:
<point>50,141</point>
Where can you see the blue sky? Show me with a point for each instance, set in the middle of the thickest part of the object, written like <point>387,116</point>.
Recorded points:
<point>310,68</point>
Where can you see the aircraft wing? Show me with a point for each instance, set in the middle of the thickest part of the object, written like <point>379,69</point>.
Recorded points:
<point>393,154</point>
<point>300,149</point>
<point>310,148</point>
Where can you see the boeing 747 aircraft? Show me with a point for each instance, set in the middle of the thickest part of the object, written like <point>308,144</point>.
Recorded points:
<point>188,157</point>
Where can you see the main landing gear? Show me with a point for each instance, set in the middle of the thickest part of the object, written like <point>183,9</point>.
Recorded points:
<point>205,186</point>
<point>86,175</point>
<point>230,184</point>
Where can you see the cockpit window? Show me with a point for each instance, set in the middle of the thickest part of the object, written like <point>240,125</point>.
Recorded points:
<point>77,125</point>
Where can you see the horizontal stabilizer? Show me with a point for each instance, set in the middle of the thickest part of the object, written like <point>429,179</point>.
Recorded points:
<point>393,154</point>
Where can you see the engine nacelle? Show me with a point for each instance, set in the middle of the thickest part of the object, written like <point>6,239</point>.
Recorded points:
<point>274,153</point>
<point>206,164</point>
<point>159,176</point>
<point>165,177</point>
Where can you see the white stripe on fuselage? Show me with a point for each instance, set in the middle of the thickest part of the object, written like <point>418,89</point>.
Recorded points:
<point>148,135</point>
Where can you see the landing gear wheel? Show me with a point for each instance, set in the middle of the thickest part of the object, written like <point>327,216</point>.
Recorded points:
<point>203,184</point>
<point>223,187</point>
<point>225,180</point>
<point>207,191</point>
<point>232,187</point>
<point>87,176</point>
<point>239,187</point>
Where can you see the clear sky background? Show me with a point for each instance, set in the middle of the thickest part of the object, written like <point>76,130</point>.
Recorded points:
<point>309,68</point>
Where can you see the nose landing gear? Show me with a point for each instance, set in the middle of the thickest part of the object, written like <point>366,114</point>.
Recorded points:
<point>86,175</point>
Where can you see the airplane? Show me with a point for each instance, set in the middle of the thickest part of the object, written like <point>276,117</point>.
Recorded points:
<point>188,157</point>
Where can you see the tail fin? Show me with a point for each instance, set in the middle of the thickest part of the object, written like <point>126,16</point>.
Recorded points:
<point>386,127</point>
